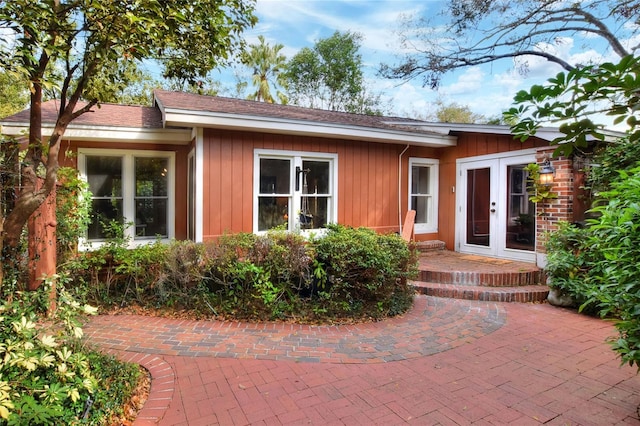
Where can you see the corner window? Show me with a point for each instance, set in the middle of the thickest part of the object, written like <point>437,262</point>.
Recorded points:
<point>423,193</point>
<point>293,190</point>
<point>134,189</point>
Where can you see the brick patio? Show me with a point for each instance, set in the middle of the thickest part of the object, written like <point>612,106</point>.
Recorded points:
<point>445,362</point>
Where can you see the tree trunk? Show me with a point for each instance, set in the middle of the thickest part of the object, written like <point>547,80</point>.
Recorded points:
<point>42,241</point>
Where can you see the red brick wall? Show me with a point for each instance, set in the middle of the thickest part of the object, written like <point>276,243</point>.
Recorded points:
<point>550,212</point>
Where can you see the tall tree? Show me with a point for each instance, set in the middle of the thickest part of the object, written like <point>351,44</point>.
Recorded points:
<point>330,76</point>
<point>267,65</point>
<point>14,96</point>
<point>455,113</point>
<point>75,45</point>
<point>475,32</point>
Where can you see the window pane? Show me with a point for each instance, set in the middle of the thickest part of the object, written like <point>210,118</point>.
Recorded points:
<point>151,217</point>
<point>272,212</point>
<point>317,177</point>
<point>421,204</point>
<point>103,211</point>
<point>274,176</point>
<point>315,212</point>
<point>151,177</point>
<point>420,180</point>
<point>104,175</point>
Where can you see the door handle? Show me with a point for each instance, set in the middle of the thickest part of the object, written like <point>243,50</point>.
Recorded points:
<point>492,210</point>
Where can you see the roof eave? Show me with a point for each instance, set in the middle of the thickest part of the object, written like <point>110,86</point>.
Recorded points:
<point>108,133</point>
<point>180,117</point>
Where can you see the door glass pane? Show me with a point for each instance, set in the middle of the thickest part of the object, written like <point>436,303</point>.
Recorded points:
<point>151,199</point>
<point>478,215</point>
<point>104,175</point>
<point>521,229</point>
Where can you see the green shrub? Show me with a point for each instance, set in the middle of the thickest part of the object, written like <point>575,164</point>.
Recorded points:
<point>73,205</point>
<point>598,266</point>
<point>568,263</point>
<point>46,377</point>
<point>614,285</point>
<point>366,271</point>
<point>348,272</point>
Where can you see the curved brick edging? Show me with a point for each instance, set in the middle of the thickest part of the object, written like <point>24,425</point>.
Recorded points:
<point>433,325</point>
<point>162,385</point>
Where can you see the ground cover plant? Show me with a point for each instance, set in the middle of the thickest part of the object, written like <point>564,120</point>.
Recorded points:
<point>346,275</point>
<point>47,376</point>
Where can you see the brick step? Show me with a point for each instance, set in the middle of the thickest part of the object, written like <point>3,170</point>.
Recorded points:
<point>487,279</point>
<point>432,245</point>
<point>522,294</point>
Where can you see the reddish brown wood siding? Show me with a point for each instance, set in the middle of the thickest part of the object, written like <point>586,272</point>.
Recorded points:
<point>68,157</point>
<point>469,145</point>
<point>367,179</point>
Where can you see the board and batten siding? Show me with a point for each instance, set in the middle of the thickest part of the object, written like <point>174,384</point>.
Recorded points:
<point>367,179</point>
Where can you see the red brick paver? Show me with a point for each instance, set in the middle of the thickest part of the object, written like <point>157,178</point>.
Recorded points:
<point>513,364</point>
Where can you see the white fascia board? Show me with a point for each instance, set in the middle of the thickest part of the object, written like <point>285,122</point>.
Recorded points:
<point>177,117</point>
<point>548,134</point>
<point>109,134</point>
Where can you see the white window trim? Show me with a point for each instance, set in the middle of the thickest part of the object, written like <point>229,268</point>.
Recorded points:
<point>434,165</point>
<point>128,191</point>
<point>296,158</point>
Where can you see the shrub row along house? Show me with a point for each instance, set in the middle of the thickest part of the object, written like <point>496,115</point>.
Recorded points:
<point>196,167</point>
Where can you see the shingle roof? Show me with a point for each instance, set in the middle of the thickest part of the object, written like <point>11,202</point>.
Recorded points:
<point>110,115</point>
<point>215,104</point>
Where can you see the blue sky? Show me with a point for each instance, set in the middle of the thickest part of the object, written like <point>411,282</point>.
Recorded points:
<point>486,90</point>
<point>300,23</point>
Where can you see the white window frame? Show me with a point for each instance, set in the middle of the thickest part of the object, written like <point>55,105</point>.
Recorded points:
<point>432,215</point>
<point>128,191</point>
<point>296,157</point>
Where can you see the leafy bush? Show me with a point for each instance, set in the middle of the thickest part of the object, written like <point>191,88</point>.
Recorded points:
<point>347,273</point>
<point>364,268</point>
<point>73,204</point>
<point>46,377</point>
<point>568,263</point>
<point>615,277</point>
<point>598,266</point>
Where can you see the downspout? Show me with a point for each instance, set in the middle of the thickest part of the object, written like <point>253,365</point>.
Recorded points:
<point>400,187</point>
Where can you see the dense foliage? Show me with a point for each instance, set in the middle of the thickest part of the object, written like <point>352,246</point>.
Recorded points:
<point>81,53</point>
<point>46,375</point>
<point>347,274</point>
<point>598,265</point>
<point>329,76</point>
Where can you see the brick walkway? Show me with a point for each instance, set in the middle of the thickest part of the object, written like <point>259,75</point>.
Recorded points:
<point>445,362</point>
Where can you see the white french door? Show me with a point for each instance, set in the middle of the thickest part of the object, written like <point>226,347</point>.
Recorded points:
<point>494,216</point>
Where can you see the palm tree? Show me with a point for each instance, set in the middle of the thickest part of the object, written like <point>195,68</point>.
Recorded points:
<point>266,63</point>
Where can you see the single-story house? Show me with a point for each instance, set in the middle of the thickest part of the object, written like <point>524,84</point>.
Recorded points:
<point>196,167</point>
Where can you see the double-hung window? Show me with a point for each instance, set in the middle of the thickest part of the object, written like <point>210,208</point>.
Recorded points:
<point>130,190</point>
<point>423,193</point>
<point>294,190</point>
